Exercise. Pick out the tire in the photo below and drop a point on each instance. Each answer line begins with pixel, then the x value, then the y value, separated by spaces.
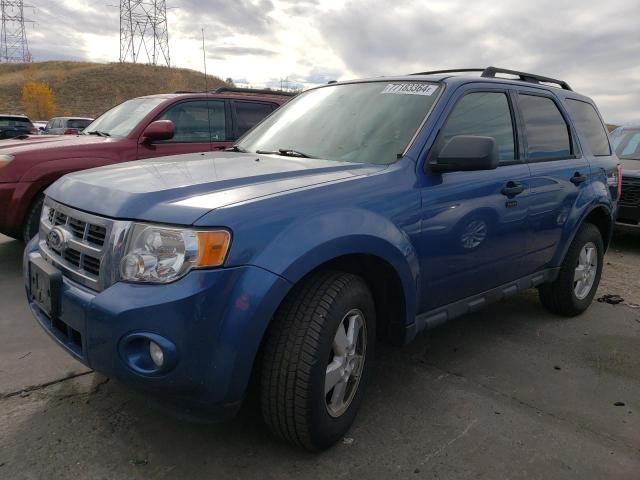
pixel 32 220
pixel 564 296
pixel 299 352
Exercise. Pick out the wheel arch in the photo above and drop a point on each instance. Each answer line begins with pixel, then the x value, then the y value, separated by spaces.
pixel 599 215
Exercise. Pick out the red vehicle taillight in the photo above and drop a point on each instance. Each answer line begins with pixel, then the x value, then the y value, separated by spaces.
pixel 70 131
pixel 619 194
pixel 34 131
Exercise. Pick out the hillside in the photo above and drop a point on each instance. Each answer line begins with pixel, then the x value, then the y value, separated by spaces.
pixel 88 89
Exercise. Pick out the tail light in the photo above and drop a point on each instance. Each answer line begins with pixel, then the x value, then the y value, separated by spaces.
pixel 619 170
pixel 34 131
pixel 70 131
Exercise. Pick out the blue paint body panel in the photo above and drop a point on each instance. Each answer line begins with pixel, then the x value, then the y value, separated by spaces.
pixel 288 216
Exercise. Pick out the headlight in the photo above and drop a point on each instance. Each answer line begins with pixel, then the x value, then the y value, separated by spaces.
pixel 5 158
pixel 162 254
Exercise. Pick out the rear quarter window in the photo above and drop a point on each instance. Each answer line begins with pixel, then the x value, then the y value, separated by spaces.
pixel 588 123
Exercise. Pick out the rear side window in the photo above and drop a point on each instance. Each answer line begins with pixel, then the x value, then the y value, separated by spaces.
pixel 248 114
pixel 485 114
pixel 547 132
pixel 588 123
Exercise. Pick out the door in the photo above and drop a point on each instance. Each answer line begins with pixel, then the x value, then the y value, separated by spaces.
pixel 248 114
pixel 559 175
pixel 474 223
pixel 197 123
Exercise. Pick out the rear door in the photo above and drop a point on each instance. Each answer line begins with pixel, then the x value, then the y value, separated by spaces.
pixel 247 114
pixel 474 223
pixel 560 174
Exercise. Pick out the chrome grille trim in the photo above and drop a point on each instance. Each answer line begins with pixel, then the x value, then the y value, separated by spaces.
pixel 93 248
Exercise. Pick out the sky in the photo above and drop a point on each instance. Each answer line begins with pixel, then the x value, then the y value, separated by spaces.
pixel 592 44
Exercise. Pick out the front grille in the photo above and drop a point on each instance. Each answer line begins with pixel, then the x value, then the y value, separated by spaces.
pixel 84 246
pixel 630 192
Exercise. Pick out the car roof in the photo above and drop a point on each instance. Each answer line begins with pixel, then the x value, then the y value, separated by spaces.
pixel 14 116
pixel 490 75
pixel 273 97
pixel 72 118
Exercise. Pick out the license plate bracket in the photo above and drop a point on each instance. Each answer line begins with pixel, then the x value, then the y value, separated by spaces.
pixel 45 282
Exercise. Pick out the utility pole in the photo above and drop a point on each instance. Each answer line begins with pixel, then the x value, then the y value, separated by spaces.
pixel 144 31
pixel 14 47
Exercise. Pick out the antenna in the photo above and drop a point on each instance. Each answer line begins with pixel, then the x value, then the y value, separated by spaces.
pixel 143 30
pixel 14 47
pixel 204 61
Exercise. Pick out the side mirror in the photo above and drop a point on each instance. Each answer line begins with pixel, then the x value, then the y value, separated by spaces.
pixel 465 153
pixel 158 130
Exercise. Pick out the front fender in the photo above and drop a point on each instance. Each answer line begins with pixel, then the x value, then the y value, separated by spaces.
pixel 312 241
pixel 49 171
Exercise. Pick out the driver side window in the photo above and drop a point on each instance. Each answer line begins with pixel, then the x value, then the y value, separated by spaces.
pixel 193 121
pixel 485 114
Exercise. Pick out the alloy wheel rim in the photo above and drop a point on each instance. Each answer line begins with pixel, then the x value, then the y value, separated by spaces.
pixel 474 234
pixel 346 363
pixel 584 275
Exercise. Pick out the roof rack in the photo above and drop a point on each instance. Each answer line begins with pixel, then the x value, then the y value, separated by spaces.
pixel 453 70
pixel 490 72
pixel 264 91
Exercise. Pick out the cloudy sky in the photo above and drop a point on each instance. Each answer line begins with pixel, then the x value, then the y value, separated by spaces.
pixel 594 45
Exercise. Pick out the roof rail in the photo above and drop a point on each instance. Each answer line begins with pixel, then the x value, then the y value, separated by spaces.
pixel 453 70
pixel 490 72
pixel 264 91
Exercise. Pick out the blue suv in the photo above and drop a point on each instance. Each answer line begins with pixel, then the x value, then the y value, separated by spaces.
pixel 360 211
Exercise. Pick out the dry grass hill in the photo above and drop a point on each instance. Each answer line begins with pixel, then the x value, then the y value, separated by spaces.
pixel 88 89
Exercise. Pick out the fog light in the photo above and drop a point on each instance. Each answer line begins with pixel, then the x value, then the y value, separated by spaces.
pixel 157 355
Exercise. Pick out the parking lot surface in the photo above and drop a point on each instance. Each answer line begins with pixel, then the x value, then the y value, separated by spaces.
pixel 510 392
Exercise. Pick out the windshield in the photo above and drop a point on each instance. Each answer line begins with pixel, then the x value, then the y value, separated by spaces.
pixel 121 119
pixel 78 123
pixel 627 143
pixel 361 122
pixel 19 122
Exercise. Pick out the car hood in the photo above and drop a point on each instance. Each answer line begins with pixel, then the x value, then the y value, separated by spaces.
pixel 180 189
pixel 630 168
pixel 36 149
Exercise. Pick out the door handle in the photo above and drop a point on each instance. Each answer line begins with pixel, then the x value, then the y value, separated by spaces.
pixel 512 188
pixel 578 178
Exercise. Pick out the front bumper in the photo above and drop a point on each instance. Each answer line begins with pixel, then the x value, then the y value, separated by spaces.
pixel 215 318
pixel 628 216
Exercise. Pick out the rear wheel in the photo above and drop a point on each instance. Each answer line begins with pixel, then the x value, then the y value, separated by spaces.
pixel 317 359
pixel 573 291
pixel 32 220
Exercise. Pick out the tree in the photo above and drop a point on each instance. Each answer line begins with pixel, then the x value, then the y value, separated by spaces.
pixel 229 81
pixel 38 100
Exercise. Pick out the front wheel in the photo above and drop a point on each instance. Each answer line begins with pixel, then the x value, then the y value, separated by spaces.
pixel 573 291
pixel 32 220
pixel 317 359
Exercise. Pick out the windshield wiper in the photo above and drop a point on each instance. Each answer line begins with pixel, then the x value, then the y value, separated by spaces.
pixel 235 148
pixel 98 133
pixel 286 152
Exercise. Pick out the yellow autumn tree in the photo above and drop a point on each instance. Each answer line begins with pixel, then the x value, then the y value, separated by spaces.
pixel 38 100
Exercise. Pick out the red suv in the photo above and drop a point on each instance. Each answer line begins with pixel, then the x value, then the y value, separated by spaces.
pixel 144 127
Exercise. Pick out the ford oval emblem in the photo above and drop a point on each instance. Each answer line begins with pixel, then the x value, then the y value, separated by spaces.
pixel 56 238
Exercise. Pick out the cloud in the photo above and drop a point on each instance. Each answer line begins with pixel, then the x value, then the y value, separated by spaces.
pixel 591 44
